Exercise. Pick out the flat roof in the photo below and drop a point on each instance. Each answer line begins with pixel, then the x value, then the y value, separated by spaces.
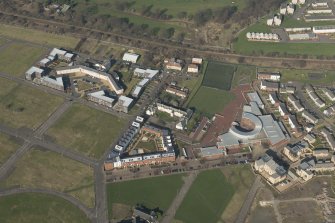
pixel 34 69
pixel 272 129
pixel 126 101
pixel 101 95
pixel 211 151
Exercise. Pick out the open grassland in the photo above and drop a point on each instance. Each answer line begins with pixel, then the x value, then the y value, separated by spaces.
pixel 218 75
pixel 243 46
pixel 2 41
pixel 210 101
pixel 33 208
pixel 22 106
pixel 244 74
pixel 156 192
pixel 17 58
pixel 207 198
pixel 241 178
pixel 7 147
pixel 38 37
pixel 86 130
pixel 45 169
pixel 304 76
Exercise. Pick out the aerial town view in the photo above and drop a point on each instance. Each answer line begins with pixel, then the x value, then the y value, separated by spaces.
pixel 167 111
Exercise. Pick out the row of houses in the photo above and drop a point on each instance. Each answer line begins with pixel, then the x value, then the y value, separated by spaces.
pixel 315 98
pixel 147 75
pixel 177 65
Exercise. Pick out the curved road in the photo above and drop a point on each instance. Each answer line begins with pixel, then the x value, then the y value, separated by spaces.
pixel 89 212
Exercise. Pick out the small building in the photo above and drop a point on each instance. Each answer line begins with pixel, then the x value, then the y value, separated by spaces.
pixel 330 95
pixel 305 168
pixel 130 57
pixel 292 121
pixel 44 62
pixel 329 137
pixel 330 111
pixel 145 73
pixel 310 138
pixel 197 61
pixel 270 170
pixel 55 83
pixel 283 9
pixel 176 91
pixel 295 103
pixel 284 89
pixel 321 153
pixel 269 22
pixel 192 68
pixel 101 98
pixel 254 96
pixel 270 76
pixel 290 9
pixel 274 99
pixel 123 104
pixel 277 20
pixel 212 152
pixel 309 117
pixel 137 91
pixel 294 152
pixel 269 86
pixel 283 111
pixel 174 66
pixel 34 72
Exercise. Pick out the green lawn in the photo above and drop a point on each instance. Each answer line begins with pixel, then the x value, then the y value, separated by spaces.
pixel 207 198
pixel 2 41
pixel 210 101
pixel 219 75
pixel 156 192
pixel 8 146
pixel 148 146
pixel 243 46
pixel 38 37
pixel 34 207
pixel 46 169
pixel 241 178
pixel 17 58
pixel 86 130
pixel 22 106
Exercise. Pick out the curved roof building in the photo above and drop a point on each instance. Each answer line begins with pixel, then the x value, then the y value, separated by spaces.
pixel 242 133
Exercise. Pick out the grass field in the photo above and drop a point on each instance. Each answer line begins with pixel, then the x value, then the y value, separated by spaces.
pixel 45 169
pixel 304 76
pixel 243 46
pixel 17 58
pixel 8 146
pixel 210 101
pixel 244 75
pixel 22 106
pixel 38 37
pixel 86 130
pixel 219 75
pixel 33 208
pixel 207 198
pixel 242 178
pixel 156 192
pixel 2 41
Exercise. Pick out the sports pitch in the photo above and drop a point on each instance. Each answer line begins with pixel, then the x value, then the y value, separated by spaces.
pixel 156 192
pixel 219 75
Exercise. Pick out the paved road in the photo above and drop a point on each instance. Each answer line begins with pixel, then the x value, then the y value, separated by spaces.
pixel 89 212
pixel 52 118
pixel 171 212
pixel 8 166
pixel 248 201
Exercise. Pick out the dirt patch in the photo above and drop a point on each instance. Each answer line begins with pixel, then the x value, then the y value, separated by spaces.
pixel 302 211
